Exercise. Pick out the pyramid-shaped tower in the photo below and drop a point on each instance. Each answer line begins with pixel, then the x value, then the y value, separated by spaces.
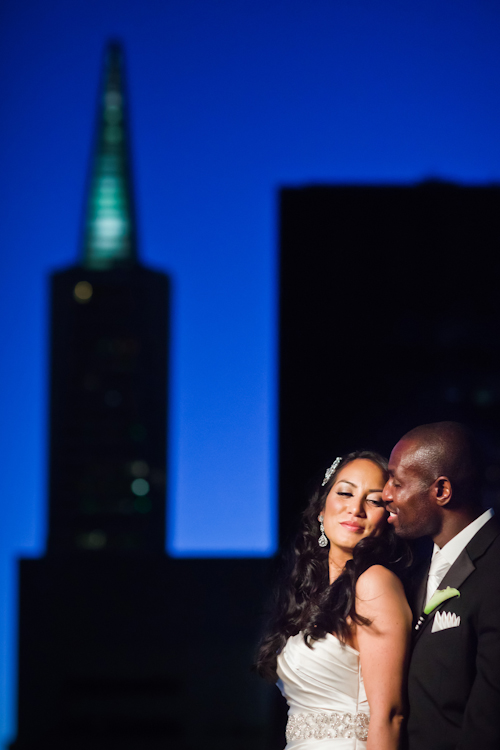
pixel 109 234
pixel 108 364
pixel 120 646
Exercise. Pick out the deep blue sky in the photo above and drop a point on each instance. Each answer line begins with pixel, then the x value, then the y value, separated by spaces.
pixel 229 100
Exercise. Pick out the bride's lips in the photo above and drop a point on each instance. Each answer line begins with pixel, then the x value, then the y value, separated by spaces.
pixel 352 526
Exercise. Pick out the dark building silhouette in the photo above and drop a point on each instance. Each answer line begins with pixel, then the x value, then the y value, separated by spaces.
pixel 109 321
pixel 120 647
pixel 389 318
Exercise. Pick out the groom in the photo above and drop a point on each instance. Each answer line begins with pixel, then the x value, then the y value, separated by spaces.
pixel 454 672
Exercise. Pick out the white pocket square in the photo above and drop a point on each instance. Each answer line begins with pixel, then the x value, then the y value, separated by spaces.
pixel 445 620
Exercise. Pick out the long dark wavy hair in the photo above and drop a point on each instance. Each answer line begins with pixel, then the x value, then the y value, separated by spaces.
pixel 306 601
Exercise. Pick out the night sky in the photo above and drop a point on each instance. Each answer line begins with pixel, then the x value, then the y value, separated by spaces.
pixel 228 100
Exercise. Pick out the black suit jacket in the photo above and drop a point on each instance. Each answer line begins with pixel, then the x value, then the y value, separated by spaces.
pixel 454 674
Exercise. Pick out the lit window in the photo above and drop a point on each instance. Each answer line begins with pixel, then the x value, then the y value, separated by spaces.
pixel 95 539
pixel 140 487
pixel 83 292
pixel 139 469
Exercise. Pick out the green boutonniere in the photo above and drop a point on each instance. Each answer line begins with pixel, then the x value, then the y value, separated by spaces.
pixel 440 596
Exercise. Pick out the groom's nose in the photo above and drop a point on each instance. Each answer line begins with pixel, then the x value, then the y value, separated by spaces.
pixel 386 492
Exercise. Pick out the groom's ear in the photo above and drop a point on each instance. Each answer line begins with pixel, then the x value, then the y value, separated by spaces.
pixel 441 490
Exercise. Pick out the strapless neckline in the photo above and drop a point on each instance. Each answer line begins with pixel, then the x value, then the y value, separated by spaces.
pixel 321 684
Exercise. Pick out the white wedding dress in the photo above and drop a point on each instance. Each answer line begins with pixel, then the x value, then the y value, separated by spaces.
pixel 324 689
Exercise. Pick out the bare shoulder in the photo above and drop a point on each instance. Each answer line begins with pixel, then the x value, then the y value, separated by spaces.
pixel 376 581
pixel 380 596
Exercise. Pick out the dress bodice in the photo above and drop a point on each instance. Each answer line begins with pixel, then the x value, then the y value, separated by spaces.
pixel 323 686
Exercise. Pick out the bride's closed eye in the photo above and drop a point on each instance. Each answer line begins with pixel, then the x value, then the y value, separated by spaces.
pixel 378 503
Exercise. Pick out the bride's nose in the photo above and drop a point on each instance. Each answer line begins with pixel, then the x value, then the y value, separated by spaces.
pixel 356 506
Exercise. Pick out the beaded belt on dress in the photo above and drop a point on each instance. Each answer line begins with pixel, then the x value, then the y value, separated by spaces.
pixel 326 725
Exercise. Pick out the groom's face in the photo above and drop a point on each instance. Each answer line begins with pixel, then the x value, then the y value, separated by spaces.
pixel 407 494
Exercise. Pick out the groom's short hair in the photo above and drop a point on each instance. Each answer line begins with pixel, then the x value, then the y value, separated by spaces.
pixel 449 449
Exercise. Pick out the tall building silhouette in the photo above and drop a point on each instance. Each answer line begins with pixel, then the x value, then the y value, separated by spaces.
pixel 108 364
pixel 121 647
pixel 389 318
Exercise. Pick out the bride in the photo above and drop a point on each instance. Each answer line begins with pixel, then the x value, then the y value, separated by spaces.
pixel 338 640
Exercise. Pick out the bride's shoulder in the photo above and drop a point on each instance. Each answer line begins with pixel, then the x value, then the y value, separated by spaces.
pixel 377 580
pixel 380 598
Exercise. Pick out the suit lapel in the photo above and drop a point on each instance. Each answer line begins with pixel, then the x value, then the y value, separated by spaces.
pixel 422 591
pixel 461 568
pixel 459 571
pixel 484 537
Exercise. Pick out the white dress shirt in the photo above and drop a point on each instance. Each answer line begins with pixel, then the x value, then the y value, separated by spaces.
pixel 443 559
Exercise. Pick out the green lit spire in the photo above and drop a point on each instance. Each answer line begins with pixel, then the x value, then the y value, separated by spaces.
pixel 109 235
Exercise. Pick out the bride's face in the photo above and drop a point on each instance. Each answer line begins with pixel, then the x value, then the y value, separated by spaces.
pixel 354 507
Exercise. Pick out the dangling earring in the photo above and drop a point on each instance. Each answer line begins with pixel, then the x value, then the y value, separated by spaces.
pixel 322 541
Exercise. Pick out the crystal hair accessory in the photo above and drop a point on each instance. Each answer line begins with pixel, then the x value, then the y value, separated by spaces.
pixel 330 470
